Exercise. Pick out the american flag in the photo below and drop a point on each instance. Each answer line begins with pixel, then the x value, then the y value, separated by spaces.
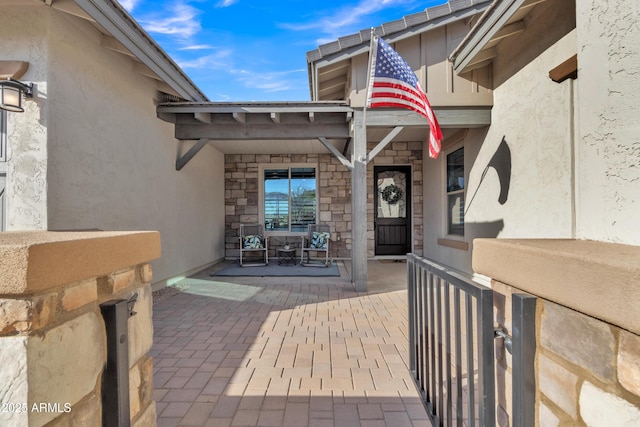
pixel 394 84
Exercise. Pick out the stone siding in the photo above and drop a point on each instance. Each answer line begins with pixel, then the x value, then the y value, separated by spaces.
pixel 52 336
pixel 587 370
pixel 242 183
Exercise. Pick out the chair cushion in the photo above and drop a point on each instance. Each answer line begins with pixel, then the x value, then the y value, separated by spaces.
pixel 252 242
pixel 319 240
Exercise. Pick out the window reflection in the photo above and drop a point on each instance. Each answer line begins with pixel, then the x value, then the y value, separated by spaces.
pixel 289 198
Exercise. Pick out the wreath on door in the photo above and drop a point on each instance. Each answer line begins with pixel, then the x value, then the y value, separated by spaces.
pixel 391 194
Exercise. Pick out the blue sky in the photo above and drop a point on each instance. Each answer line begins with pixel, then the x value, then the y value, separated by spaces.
pixel 255 50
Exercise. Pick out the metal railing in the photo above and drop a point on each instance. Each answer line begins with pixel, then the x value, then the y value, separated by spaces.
pixel 451 347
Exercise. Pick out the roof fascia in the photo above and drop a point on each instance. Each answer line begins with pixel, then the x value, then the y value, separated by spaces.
pixel 492 21
pixel 254 108
pixel 352 51
pixel 125 29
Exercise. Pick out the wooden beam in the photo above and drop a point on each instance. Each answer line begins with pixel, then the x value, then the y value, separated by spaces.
pixel 202 117
pixel 336 82
pixel 240 117
pixel 182 161
pixel 70 7
pixel 261 131
pixel 345 149
pixel 447 117
pixel 567 70
pixel 167 117
pixel 140 68
pixel 113 44
pixel 387 139
pixel 331 95
pixel 509 30
pixel 531 3
pixel 481 59
pixel 335 152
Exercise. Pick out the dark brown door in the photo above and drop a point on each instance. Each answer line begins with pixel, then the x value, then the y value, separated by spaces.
pixel 392 209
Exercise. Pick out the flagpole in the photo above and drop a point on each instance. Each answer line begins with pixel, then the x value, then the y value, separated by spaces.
pixel 370 71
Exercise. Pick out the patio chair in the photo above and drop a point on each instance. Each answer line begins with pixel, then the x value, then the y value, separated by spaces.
pixel 253 242
pixel 317 240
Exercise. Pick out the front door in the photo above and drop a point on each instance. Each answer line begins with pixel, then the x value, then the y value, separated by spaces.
pixel 392 209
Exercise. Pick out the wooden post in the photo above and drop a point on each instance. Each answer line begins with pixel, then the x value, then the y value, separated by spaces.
pixel 359 204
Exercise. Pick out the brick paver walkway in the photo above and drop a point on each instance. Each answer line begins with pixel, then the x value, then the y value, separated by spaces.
pixel 276 353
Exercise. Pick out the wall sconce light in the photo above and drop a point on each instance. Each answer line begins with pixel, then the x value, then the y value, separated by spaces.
pixel 11 92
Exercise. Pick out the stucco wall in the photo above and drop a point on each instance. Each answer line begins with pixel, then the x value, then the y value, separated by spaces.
pixel 608 123
pixel 533 117
pixel 23 38
pixel 435 214
pixel 111 161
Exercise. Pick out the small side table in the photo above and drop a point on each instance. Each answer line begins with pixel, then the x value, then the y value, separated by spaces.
pixel 286 256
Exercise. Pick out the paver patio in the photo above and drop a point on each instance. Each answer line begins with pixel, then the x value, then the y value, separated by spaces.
pixel 285 352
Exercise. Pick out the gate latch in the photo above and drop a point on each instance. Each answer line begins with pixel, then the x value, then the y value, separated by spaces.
pixel 508 343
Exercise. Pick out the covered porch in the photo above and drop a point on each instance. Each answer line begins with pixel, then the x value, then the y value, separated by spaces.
pixel 344 146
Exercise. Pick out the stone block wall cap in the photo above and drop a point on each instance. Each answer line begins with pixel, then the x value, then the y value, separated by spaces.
pixel 600 279
pixel 34 261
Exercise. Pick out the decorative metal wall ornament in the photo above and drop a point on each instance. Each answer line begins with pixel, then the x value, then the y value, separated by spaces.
pixel 391 194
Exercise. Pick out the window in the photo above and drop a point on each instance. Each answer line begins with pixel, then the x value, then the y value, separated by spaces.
pixel 455 192
pixel 289 198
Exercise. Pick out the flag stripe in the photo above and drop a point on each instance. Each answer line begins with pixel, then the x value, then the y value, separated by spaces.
pixel 392 83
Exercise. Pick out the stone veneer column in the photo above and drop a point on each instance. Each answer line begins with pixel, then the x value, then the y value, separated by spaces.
pixel 52 335
pixel 587 369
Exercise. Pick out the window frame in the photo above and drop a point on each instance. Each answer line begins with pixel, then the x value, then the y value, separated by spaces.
pixel 446 220
pixel 261 196
pixel 3 137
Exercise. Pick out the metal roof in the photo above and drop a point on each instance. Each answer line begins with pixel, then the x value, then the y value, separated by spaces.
pixel 334 58
pixel 407 25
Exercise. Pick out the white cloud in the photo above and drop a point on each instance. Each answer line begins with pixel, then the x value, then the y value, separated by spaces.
pixel 197 47
pixel 269 81
pixel 129 5
pixel 227 3
pixel 218 60
pixel 182 22
pixel 345 20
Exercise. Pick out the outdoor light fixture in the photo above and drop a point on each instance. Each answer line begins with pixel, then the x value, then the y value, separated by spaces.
pixel 11 92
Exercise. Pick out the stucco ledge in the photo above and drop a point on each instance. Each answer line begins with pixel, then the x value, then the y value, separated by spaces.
pixel 598 279
pixel 34 261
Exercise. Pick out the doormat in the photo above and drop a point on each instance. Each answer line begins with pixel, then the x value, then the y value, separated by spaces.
pixel 275 270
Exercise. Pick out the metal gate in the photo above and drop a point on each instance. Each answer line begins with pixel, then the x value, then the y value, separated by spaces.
pixel 451 345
